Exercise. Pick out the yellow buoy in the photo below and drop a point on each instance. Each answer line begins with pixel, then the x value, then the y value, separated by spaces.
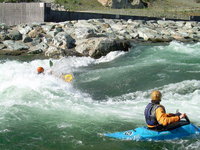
pixel 68 77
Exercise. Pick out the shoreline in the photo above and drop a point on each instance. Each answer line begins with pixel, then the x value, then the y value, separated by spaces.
pixel 93 38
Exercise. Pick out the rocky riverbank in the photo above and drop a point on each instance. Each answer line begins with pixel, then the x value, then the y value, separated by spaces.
pixel 94 38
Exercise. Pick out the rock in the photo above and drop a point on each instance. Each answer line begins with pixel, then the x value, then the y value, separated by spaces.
pixel 97 47
pixel 15 45
pixel 63 40
pixel 55 52
pixel 59 29
pixel 26 39
pixel 4 36
pixel 24 30
pixel 47 40
pixel 36 41
pixel 82 33
pixel 2 46
pixel 36 32
pixel 52 33
pixel 43 46
pixel 146 33
pixel 138 4
pixel 180 23
pixel 106 3
pixel 15 35
pixel 189 25
pixel 85 24
pixel 12 53
pixel 36 51
pixel 128 4
pixel 47 28
pixel 166 23
pixel 3 27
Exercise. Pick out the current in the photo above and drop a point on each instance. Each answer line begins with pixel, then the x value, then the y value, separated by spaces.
pixel 42 112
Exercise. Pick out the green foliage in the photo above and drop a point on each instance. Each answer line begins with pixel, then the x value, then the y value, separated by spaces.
pixel 149 1
pixel 198 1
pixel 16 1
pixel 80 4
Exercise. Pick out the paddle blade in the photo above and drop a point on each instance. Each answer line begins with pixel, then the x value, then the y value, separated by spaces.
pixel 50 63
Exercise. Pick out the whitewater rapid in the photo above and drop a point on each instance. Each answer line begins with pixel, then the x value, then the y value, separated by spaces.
pixel 121 80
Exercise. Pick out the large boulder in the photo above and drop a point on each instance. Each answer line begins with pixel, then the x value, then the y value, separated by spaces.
pixel 63 40
pixel 105 3
pixel 15 45
pixel 37 32
pixel 123 3
pixel 97 47
pixel 55 52
pixel 15 35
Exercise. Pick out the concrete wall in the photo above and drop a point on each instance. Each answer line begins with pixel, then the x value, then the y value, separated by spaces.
pixel 17 13
pixel 195 18
pixel 59 16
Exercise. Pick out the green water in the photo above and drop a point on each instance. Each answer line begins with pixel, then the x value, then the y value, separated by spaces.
pixel 42 112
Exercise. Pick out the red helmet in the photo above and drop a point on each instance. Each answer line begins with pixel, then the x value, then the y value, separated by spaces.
pixel 40 70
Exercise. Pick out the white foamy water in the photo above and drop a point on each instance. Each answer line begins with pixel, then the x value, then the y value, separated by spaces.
pixel 47 104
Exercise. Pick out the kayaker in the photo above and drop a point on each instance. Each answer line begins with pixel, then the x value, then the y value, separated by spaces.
pixel 157 118
pixel 65 77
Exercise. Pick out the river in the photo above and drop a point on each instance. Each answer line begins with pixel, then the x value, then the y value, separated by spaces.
pixel 42 112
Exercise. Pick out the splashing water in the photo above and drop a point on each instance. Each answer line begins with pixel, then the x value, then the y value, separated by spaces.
pixel 107 95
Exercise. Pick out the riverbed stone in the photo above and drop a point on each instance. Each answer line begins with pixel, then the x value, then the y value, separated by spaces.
pixel 43 46
pixel 4 36
pixel 97 47
pixel 63 40
pixel 24 30
pixel 26 39
pixel 15 35
pixel 3 27
pixel 15 45
pixel 55 52
pixel 2 46
pixel 36 32
pixel 36 51
pixel 36 41
pixel 82 33
pixel 93 37
pixel 47 27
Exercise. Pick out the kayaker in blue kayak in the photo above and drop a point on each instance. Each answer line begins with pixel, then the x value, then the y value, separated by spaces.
pixel 157 118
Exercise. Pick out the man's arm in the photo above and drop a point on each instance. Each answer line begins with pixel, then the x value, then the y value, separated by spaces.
pixel 164 118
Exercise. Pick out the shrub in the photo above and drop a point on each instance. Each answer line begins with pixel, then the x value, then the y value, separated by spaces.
pixel 198 1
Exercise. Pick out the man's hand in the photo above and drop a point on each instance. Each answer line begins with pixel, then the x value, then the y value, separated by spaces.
pixel 182 116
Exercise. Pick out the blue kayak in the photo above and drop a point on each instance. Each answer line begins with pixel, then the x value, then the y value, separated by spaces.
pixel 143 133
